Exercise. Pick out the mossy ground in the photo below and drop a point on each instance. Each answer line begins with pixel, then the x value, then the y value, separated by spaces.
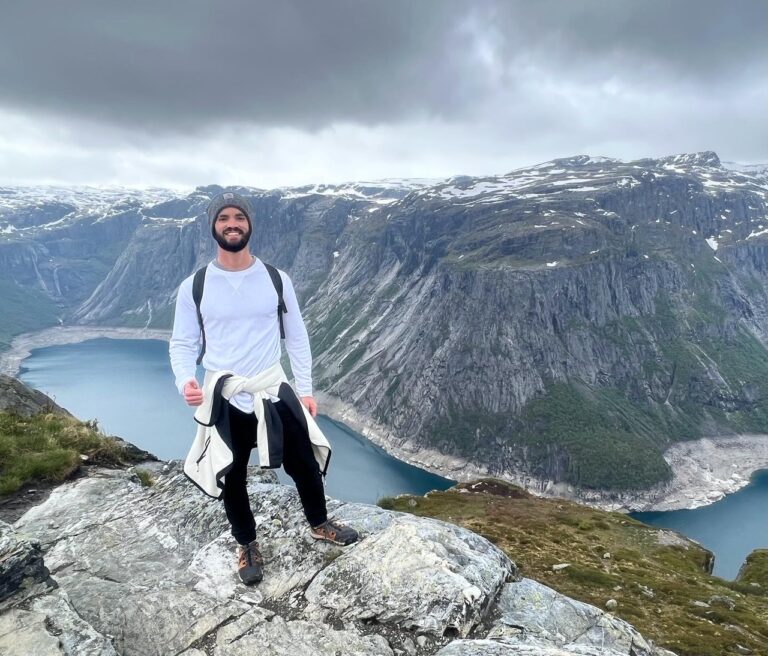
pixel 654 575
pixel 755 569
pixel 48 448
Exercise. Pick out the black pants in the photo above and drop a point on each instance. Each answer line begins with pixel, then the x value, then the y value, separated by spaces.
pixel 298 461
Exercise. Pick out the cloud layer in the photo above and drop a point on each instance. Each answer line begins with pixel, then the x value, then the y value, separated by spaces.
pixel 185 91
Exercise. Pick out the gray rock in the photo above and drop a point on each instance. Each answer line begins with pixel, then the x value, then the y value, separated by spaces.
pixel 21 565
pixel 143 620
pixel 722 601
pixel 50 627
pixel 277 637
pixel 74 634
pixel 502 648
pixel 421 574
pixel 23 633
pixel 553 618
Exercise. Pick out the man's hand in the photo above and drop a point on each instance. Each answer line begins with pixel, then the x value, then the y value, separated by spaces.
pixel 193 395
pixel 310 404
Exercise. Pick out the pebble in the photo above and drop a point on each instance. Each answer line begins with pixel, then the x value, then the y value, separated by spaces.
pixel 722 600
pixel 646 591
pixel 560 566
pixel 611 604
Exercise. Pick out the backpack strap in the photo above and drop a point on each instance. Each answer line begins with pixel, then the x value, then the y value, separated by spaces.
pixel 197 296
pixel 277 282
pixel 198 283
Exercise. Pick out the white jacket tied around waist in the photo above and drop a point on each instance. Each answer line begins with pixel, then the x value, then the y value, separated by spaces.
pixel 210 457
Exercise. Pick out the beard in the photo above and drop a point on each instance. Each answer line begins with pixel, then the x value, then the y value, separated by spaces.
pixel 233 246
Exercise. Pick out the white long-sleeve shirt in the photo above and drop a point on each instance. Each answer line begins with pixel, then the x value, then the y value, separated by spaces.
pixel 242 332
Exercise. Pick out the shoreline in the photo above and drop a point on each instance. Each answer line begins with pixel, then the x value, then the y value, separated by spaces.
pixel 704 470
pixel 23 345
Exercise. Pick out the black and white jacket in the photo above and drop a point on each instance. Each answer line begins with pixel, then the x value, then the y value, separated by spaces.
pixel 210 457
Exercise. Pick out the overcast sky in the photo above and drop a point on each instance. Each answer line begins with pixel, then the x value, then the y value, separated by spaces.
pixel 264 94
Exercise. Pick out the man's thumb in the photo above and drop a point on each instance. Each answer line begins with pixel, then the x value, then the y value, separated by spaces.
pixel 193 384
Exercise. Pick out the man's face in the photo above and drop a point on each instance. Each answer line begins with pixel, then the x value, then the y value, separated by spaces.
pixel 231 229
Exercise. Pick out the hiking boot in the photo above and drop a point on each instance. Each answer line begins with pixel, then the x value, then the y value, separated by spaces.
pixel 249 563
pixel 335 532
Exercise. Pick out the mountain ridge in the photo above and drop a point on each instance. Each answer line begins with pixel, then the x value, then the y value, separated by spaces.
pixel 477 316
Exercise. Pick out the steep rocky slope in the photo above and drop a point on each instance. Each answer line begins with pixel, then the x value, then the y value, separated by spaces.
pixel 563 323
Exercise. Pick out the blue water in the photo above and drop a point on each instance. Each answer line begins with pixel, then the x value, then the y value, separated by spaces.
pixel 127 385
pixel 731 528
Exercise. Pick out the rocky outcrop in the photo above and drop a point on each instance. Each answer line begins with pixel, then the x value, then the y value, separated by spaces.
pixel 21 564
pixel 150 570
pixel 16 397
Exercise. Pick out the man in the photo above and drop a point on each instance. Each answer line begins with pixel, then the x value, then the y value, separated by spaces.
pixel 245 400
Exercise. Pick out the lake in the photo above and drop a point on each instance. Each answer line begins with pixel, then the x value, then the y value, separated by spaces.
pixel 127 385
pixel 731 528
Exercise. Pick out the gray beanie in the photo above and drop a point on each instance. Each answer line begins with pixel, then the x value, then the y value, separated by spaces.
pixel 228 199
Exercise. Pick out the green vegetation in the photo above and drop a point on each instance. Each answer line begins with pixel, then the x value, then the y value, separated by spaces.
pixel 591 438
pixel 654 575
pixel 606 438
pixel 48 447
pixel 24 310
pixel 754 572
pixel 146 478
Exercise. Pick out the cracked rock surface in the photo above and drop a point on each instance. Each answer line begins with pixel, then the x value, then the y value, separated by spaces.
pixel 150 571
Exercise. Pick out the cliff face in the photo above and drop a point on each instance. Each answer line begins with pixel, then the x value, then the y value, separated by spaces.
pixel 106 566
pixel 564 322
pixel 567 321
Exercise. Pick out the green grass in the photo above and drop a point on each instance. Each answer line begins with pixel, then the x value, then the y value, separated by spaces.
pixel 755 569
pixel 146 478
pixel 47 447
pixel 538 533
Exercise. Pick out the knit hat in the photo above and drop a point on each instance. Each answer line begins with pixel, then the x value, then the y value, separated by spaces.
pixel 228 199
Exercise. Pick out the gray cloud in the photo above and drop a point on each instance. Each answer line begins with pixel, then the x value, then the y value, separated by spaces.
pixel 187 65
pixel 694 41
pixel 183 63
